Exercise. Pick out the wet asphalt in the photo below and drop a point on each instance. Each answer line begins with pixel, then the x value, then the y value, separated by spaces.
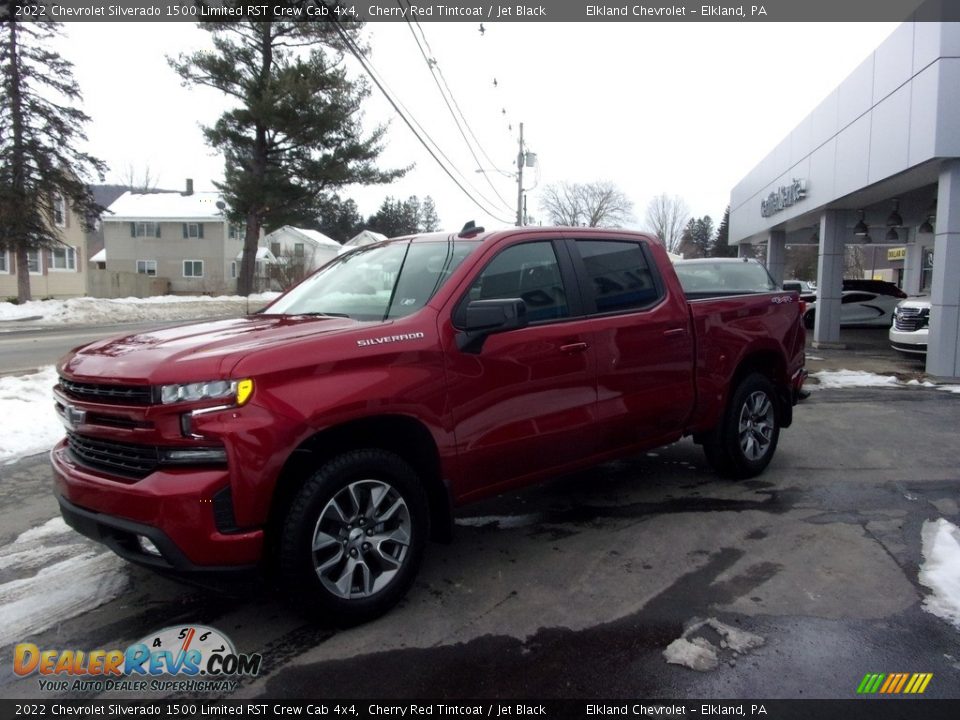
pixel 573 589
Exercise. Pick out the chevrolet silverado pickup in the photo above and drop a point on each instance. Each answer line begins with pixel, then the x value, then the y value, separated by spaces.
pixel 330 435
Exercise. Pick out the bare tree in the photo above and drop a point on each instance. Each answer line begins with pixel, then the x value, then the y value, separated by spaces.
pixel 139 182
pixel 853 263
pixel 594 204
pixel 666 218
pixel 291 267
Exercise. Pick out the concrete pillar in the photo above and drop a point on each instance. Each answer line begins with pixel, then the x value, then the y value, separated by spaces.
pixel 777 255
pixel 744 250
pixel 826 329
pixel 943 350
pixel 912 265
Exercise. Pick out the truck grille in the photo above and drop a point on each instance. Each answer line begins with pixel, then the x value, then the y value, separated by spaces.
pixel 910 319
pixel 116 394
pixel 132 461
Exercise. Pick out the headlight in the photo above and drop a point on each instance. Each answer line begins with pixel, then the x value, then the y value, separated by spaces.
pixel 238 390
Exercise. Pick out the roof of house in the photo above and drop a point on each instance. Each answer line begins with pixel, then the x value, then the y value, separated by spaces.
pixel 100 256
pixel 364 237
pixel 165 207
pixel 262 254
pixel 314 236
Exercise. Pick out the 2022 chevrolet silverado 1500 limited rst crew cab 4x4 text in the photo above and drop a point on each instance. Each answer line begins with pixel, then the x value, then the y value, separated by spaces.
pixel 331 434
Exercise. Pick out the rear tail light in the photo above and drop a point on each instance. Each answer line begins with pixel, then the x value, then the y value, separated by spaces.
pixel 803 308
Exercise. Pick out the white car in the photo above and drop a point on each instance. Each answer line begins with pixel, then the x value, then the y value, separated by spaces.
pixel 859 307
pixel 911 321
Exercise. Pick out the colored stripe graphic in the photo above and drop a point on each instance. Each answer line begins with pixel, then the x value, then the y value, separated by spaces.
pixel 894 683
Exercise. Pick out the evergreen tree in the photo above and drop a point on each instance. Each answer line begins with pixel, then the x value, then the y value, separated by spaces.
pixel 40 165
pixel 721 244
pixel 697 237
pixel 429 220
pixel 408 217
pixel 295 132
pixel 339 219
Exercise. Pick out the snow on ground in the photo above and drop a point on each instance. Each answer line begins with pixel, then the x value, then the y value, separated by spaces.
pixel 940 569
pixel 34 598
pixel 695 650
pixel 853 378
pixel 88 310
pixel 28 422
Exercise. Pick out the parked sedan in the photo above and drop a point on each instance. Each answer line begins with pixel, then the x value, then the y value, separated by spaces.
pixel 911 325
pixel 859 308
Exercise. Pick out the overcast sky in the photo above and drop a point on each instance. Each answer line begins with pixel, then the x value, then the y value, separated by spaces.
pixel 684 108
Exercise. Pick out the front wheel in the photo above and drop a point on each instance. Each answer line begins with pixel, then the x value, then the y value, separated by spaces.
pixel 742 445
pixel 354 536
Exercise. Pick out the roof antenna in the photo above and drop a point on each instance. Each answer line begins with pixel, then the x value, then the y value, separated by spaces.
pixel 470 229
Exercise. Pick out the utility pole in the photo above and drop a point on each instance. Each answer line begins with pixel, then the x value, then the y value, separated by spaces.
pixel 520 160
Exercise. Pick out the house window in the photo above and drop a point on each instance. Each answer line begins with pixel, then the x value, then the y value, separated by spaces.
pixel 4 262
pixel 33 261
pixel 193 268
pixel 192 230
pixel 298 250
pixel 233 270
pixel 237 231
pixel 147 267
pixel 59 211
pixel 63 258
pixel 275 249
pixel 144 229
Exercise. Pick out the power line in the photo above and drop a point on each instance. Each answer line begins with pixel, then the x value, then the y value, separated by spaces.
pixel 439 70
pixel 432 66
pixel 364 62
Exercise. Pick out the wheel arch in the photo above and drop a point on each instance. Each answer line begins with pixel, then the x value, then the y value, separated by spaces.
pixel 772 365
pixel 402 435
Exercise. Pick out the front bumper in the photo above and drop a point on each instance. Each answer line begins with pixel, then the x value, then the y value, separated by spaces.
pixel 914 342
pixel 173 508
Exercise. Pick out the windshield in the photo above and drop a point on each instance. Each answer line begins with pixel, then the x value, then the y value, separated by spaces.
pixel 724 278
pixel 377 282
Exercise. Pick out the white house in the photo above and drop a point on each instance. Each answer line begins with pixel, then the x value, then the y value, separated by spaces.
pixel 313 246
pixel 184 237
pixel 364 237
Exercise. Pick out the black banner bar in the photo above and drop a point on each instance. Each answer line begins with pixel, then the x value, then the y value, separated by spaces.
pixel 485 11
pixel 893 708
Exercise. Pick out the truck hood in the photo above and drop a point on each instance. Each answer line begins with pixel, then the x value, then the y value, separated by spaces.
pixel 194 352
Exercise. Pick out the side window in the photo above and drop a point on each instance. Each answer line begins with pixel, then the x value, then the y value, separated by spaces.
pixel 530 272
pixel 618 274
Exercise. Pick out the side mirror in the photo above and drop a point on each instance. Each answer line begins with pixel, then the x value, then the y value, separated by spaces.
pixel 486 317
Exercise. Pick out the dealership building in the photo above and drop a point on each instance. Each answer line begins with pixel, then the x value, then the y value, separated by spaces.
pixel 877 163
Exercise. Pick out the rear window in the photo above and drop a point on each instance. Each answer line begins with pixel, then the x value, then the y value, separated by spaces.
pixel 710 279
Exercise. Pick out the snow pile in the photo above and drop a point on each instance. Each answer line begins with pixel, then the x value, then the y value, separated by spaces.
pixel 832 379
pixel 88 310
pixel 853 378
pixel 940 570
pixel 28 422
pixel 694 650
pixel 40 597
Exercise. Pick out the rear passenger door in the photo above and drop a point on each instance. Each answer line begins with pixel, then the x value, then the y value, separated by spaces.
pixel 643 340
pixel 526 402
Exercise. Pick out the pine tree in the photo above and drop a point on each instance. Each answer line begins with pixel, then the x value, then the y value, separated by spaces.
pixel 295 132
pixel 429 220
pixel 39 133
pixel 721 244
pixel 339 219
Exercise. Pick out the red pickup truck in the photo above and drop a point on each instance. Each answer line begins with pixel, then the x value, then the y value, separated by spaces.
pixel 330 435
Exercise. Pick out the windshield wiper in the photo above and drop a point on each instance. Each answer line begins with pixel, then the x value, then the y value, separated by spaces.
pixel 321 314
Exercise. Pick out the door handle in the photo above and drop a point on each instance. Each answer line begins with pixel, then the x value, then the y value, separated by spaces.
pixel 574 347
pixel 674 332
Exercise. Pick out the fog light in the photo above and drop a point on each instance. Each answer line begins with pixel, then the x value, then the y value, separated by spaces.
pixel 186 456
pixel 146 544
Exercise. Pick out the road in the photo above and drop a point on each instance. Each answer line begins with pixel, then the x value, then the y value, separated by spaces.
pixel 26 350
pixel 575 588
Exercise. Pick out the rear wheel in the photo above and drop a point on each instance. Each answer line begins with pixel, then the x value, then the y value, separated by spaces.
pixel 744 442
pixel 354 536
pixel 809 319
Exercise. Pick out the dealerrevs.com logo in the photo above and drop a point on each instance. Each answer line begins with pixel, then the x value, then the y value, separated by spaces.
pixel 192 658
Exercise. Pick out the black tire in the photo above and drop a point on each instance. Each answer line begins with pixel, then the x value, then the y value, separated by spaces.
pixel 353 538
pixel 809 319
pixel 742 454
